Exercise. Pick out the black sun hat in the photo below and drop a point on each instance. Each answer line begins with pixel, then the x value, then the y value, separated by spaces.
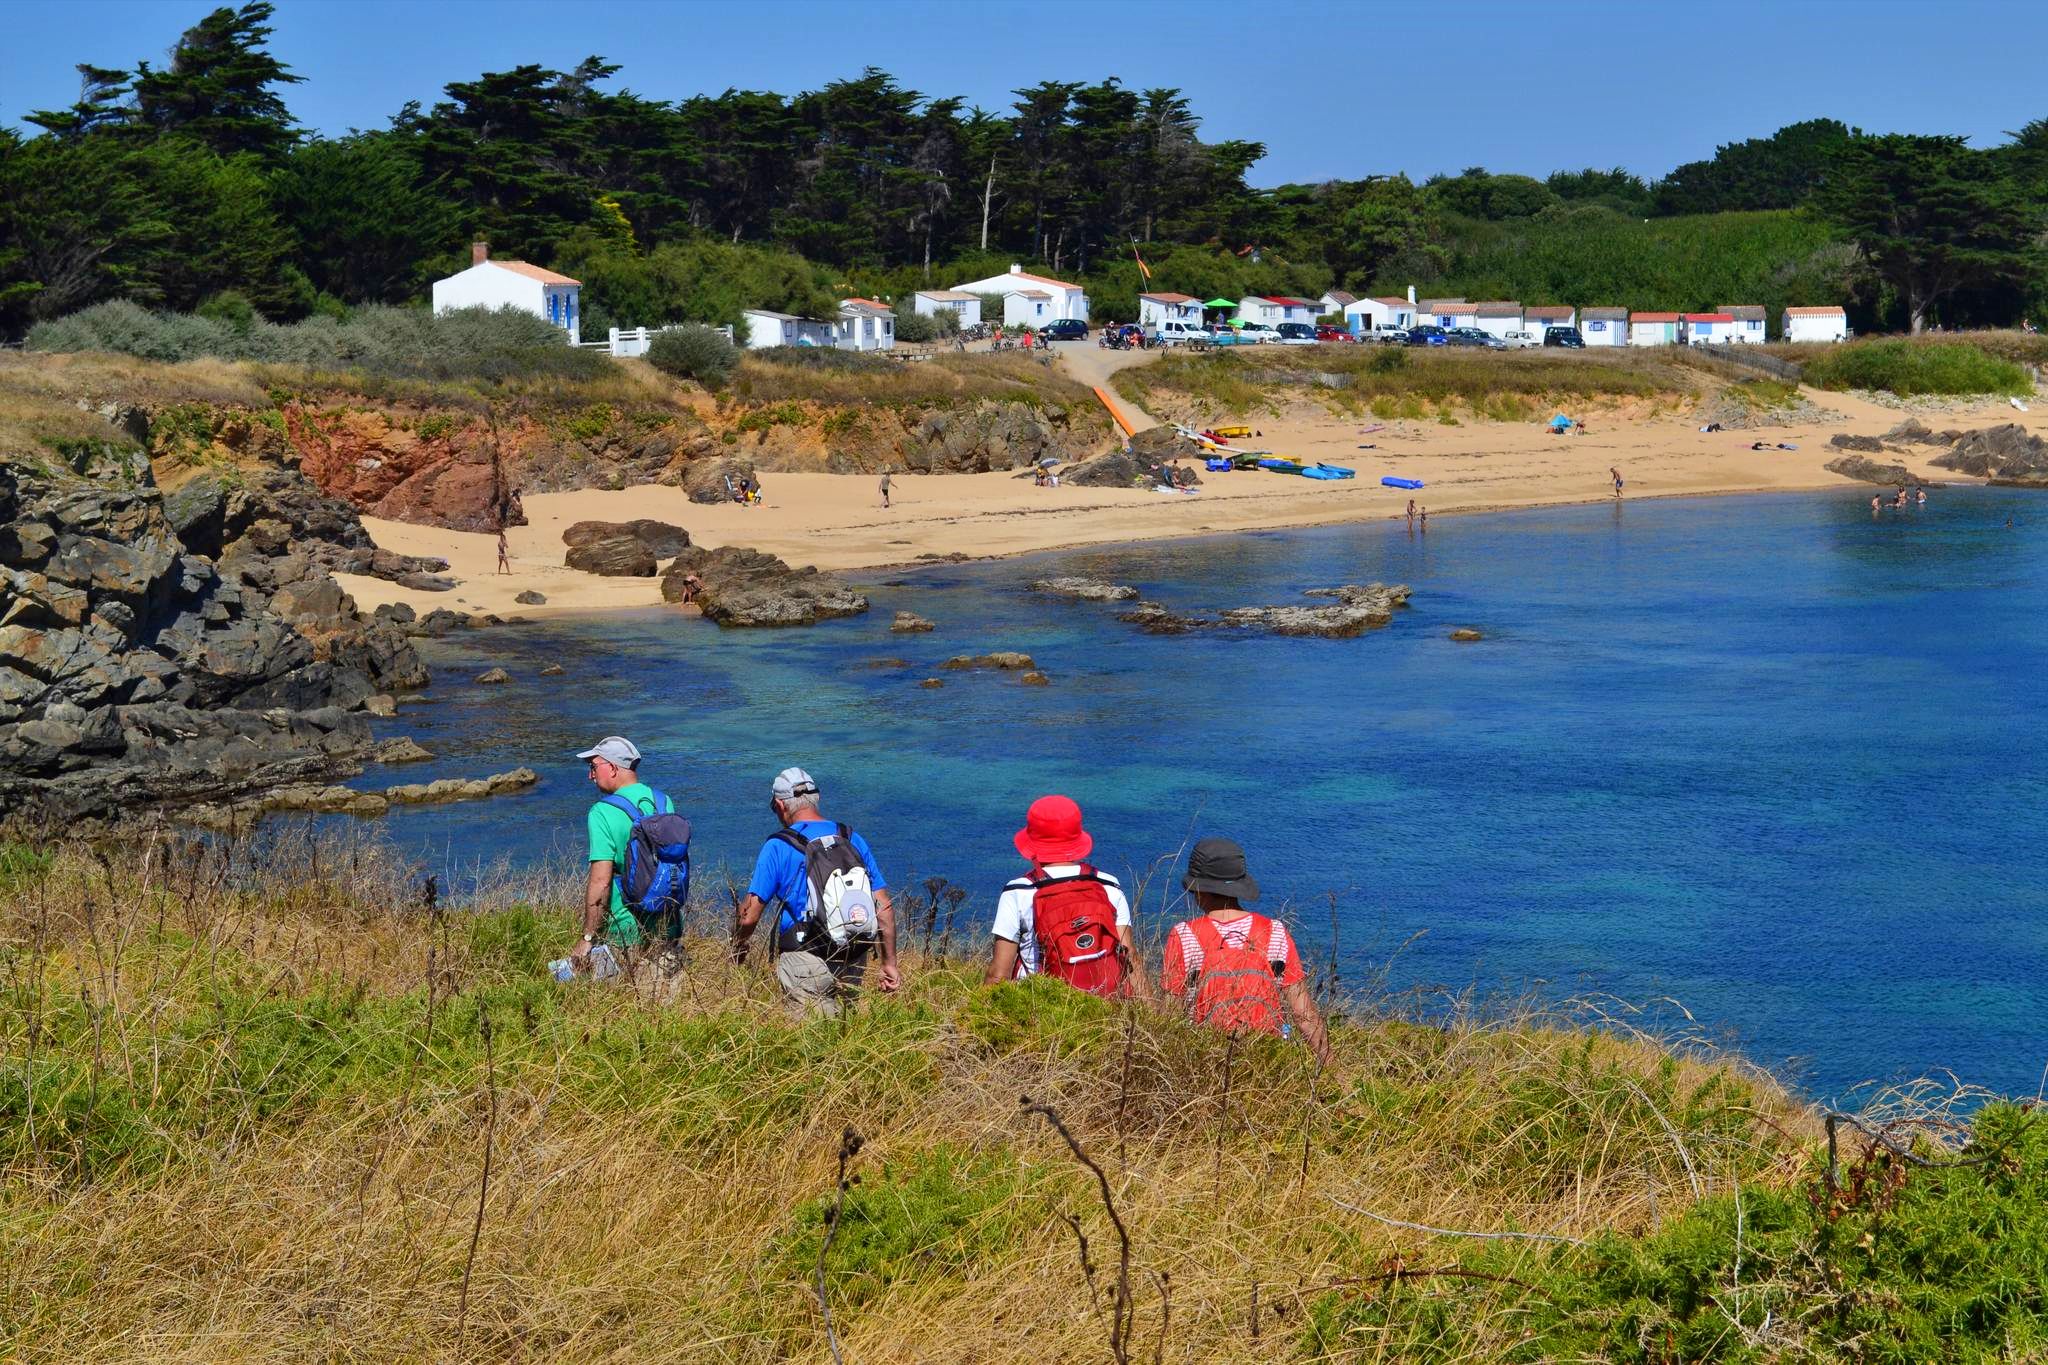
pixel 1217 866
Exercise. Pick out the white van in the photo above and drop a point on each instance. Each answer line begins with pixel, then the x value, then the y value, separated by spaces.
pixel 1174 333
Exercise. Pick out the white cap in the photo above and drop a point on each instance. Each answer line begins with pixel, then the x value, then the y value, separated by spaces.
pixel 791 783
pixel 616 750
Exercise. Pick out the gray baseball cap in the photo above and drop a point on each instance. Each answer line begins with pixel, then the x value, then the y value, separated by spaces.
pixel 791 783
pixel 616 750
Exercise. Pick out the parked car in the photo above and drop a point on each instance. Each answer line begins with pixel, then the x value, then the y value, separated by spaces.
pixel 1427 334
pixel 1065 329
pixel 1325 332
pixel 1258 331
pixel 1389 336
pixel 1564 336
pixel 1521 341
pixel 1226 335
pixel 1173 333
pixel 1296 334
pixel 1473 336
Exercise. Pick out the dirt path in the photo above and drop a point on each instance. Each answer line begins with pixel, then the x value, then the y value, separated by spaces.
pixel 1090 364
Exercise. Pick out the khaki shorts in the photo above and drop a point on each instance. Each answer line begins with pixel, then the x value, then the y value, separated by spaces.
pixel 814 983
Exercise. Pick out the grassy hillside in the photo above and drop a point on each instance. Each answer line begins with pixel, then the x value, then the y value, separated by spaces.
pixel 262 1102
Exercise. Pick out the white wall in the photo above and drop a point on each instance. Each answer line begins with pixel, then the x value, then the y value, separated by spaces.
pixel 1273 314
pixel 969 310
pixel 1604 332
pixel 1068 301
pixel 1833 328
pixel 1538 325
pixel 1370 314
pixel 1652 333
pixel 763 331
pixel 1747 331
pixel 1499 327
pixel 863 332
pixel 487 286
pixel 1151 312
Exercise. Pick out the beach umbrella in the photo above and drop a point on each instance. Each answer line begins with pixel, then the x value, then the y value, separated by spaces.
pixel 1220 303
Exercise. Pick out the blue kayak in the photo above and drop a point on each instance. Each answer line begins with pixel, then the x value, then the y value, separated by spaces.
pixel 1328 471
pixel 1392 482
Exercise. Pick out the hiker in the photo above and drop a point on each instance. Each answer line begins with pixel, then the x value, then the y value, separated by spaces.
pixel 835 905
pixel 885 490
pixel 504 561
pixel 639 860
pixel 1063 917
pixel 1615 474
pixel 1234 969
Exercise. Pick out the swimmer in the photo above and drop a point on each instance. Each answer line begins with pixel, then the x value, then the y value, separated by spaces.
pixel 1921 497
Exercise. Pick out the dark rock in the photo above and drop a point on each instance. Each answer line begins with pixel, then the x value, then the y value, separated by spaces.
pixel 1359 608
pixel 714 480
pixel 619 554
pixel 662 540
pixel 2003 454
pixel 908 622
pixel 1006 660
pixel 1465 634
pixel 553 671
pixel 1131 469
pixel 425 582
pixel 1866 470
pixel 400 750
pixel 742 587
pixel 885 663
pixel 1914 432
pixel 494 677
pixel 439 622
pixel 1869 445
pixel 399 613
pixel 530 598
pixel 1085 589
pixel 932 682
pixel 1035 679
pixel 954 558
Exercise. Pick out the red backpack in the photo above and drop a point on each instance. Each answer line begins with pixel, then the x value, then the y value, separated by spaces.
pixel 1236 988
pixel 1075 926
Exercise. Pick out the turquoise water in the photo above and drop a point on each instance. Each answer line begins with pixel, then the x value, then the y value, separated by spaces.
pixel 1763 757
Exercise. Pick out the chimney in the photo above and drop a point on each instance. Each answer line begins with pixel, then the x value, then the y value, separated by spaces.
pixel 480 251
pixel 1016 269
pixel 1411 296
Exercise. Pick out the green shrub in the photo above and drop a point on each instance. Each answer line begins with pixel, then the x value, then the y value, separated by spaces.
pixel 233 308
pixel 916 327
pixel 1907 368
pixel 694 352
pixel 823 358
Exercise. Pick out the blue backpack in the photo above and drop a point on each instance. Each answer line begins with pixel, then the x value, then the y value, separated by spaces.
pixel 655 880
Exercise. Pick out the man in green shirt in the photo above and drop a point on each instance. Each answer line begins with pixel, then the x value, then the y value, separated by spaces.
pixel 614 771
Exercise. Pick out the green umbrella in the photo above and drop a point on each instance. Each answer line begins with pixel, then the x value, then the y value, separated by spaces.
pixel 1220 303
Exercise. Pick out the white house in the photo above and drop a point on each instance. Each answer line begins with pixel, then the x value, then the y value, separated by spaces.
pixel 1816 324
pixel 1336 301
pixel 512 284
pixel 763 327
pixel 1544 316
pixel 865 325
pixel 1154 309
pixel 1377 315
pixel 1029 299
pixel 1497 319
pixel 1706 329
pixel 961 304
pixel 1446 313
pixel 1749 323
pixel 1604 326
pixel 1274 309
pixel 1652 329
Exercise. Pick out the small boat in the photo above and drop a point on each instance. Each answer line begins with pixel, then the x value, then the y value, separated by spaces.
pixel 1231 433
pixel 1281 466
pixel 1328 471
pixel 1392 482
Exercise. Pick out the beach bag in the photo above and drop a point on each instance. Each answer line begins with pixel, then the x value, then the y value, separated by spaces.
pixel 841 916
pixel 1075 926
pixel 1236 988
pixel 655 880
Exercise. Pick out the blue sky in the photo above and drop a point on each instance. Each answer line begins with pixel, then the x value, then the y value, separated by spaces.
pixel 1332 89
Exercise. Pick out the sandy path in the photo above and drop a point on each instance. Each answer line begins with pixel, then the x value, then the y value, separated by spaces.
pixel 837 521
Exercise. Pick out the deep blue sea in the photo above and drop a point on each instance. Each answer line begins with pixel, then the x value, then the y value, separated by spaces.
pixel 1766 757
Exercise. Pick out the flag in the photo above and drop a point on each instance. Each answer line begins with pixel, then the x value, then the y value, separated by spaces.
pixel 1143 269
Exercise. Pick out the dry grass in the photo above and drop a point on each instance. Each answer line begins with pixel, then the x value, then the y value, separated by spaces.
pixel 839 378
pixel 246 1098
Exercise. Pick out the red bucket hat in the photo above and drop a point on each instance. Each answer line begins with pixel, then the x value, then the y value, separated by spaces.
pixel 1052 832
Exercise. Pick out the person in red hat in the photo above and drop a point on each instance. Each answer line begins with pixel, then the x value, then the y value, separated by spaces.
pixel 1063 917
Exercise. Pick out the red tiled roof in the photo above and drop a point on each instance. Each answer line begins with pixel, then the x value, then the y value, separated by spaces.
pixel 1043 279
pixel 1392 302
pixel 1710 317
pixel 1814 313
pixel 1285 302
pixel 1549 310
pixel 1653 317
pixel 533 272
pixel 865 305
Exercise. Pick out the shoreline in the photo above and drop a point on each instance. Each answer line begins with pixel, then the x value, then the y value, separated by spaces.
pixel 835 521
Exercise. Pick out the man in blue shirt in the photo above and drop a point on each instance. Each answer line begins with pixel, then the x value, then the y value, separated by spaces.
pixel 812 974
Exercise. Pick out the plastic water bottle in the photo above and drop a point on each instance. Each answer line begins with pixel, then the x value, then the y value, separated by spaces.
pixel 562 970
pixel 603 966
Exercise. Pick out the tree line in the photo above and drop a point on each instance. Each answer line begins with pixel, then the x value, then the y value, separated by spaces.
pixel 176 184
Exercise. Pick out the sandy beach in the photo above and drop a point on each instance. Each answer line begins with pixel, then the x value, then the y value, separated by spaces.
pixel 837 521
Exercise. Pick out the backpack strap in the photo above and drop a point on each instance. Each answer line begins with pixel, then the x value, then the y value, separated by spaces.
pixel 792 838
pixel 1039 877
pixel 1205 932
pixel 618 802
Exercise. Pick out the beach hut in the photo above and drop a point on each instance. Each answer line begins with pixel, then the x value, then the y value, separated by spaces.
pixel 512 284
pixel 1705 329
pixel 961 304
pixel 1274 309
pixel 1032 300
pixel 1379 314
pixel 1446 313
pixel 1652 329
pixel 1816 324
pixel 1335 301
pixel 865 325
pixel 764 327
pixel 1497 319
pixel 1153 309
pixel 1604 326
pixel 1543 316
pixel 1749 323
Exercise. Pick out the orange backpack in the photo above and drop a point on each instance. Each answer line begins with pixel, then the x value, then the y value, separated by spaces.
pixel 1236 988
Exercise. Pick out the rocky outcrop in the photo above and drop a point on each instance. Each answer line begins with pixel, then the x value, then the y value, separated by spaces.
pixel 1915 432
pixel 623 549
pixel 443 469
pixel 1869 445
pixel 1866 470
pixel 714 480
pixel 1466 635
pixel 461 788
pixel 1358 608
pixel 1142 466
pixel 1005 660
pixel 494 677
pixel 266 512
pixel 2003 454
pixel 1085 589
pixel 908 623
pixel 136 672
pixel 662 540
pixel 530 598
pixel 744 587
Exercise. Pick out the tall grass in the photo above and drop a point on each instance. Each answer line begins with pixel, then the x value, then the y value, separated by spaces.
pixel 820 375
pixel 1908 368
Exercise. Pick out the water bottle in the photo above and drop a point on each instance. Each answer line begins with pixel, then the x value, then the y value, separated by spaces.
pixel 562 970
pixel 603 966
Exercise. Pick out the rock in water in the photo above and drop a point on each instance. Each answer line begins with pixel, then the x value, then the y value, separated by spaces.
pixel 1006 660
pixel 494 677
pixel 908 622
pixel 1035 679
pixel 1359 608
pixel 553 671
pixel 1465 634
pixel 400 750
pixel 744 587
pixel 461 788
pixel 1085 589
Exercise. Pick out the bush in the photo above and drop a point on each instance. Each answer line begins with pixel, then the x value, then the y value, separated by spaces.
pixel 694 352
pixel 916 327
pixel 1907 368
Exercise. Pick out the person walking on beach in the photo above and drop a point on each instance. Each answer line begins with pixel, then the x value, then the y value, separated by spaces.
pixel 836 911
pixel 885 490
pixel 1233 969
pixel 504 559
pixel 628 901
pixel 1615 474
pixel 1411 509
pixel 1063 917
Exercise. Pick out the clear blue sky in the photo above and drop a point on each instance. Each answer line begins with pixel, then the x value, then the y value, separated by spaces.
pixel 1332 89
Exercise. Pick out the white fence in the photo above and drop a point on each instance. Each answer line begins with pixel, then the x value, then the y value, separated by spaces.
pixel 626 342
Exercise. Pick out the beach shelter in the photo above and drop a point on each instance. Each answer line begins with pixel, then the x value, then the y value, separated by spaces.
pixel 1219 310
pixel 1560 423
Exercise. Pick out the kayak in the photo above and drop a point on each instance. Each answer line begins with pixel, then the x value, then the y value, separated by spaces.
pixel 1336 471
pixel 1392 482
pixel 1325 472
pixel 1280 466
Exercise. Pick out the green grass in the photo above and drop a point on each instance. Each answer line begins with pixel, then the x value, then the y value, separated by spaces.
pixel 1909 368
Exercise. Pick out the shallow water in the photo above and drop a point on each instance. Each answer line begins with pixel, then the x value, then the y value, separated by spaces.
pixel 1764 756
